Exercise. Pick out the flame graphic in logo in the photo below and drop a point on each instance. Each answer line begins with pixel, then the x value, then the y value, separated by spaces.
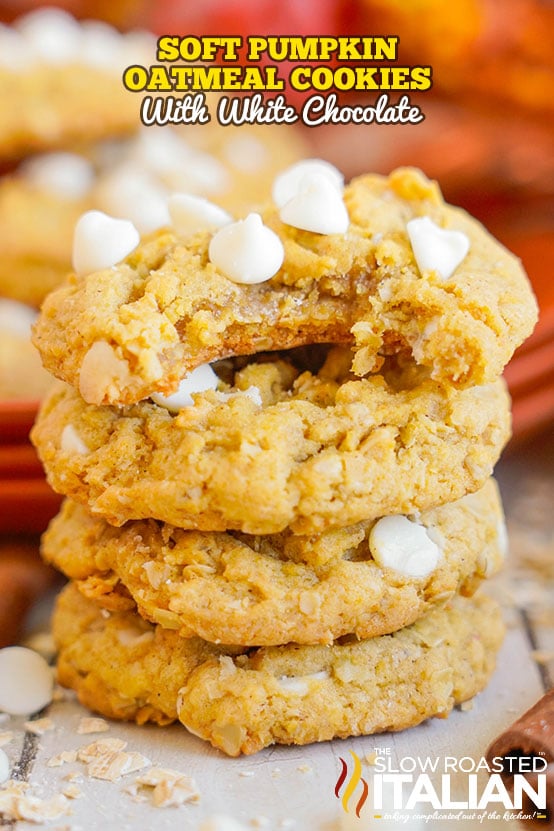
pixel 352 784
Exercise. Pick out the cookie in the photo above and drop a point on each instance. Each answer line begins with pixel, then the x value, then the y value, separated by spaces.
pixel 125 668
pixel 279 447
pixel 42 200
pixel 365 580
pixel 60 82
pixel 167 308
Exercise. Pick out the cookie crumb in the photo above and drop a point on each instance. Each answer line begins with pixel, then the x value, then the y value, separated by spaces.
pixel 371 758
pixel 465 706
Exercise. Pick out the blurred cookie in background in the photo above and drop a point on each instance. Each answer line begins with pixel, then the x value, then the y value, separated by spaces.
pixel 60 81
pixel 41 201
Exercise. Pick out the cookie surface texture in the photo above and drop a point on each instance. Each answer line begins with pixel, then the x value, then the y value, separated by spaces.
pixel 167 308
pixel 123 667
pixel 275 589
pixel 321 451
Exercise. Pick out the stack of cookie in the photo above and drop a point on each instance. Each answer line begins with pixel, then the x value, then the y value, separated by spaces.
pixel 276 438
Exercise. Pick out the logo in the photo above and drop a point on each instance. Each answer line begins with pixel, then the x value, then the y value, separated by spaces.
pixel 422 787
pixel 352 783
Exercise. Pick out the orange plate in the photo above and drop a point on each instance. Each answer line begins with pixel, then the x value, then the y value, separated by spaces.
pixel 16 419
pixel 26 505
pixel 19 461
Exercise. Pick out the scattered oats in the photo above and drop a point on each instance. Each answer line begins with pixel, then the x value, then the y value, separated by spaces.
pixel 260 822
pixel 90 752
pixel 275 773
pixel 246 773
pixel 16 804
pixel 73 776
pixel 6 738
pixel 542 656
pixel 371 758
pixel 72 792
pixel 288 822
pixel 92 725
pixel 304 768
pixel 38 810
pixel 171 788
pixel 39 726
pixel 62 758
pixel 465 706
pixel 112 765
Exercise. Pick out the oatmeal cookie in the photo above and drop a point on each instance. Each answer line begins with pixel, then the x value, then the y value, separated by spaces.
pixel 42 200
pixel 309 450
pixel 121 334
pixel 249 590
pixel 242 701
pixel 60 82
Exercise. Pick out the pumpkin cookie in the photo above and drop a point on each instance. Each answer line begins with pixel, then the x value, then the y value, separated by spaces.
pixel 125 668
pixel 60 81
pixel 42 200
pixel 367 580
pixel 276 446
pixel 406 274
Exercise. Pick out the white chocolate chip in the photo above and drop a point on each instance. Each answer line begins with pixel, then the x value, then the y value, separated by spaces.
pixel 101 46
pixel 15 53
pixel 254 394
pixel 134 637
pixel 27 681
pixel 245 153
pixel 287 184
pixel 101 371
pixel 247 251
pixel 200 379
pixel 404 546
pixel 4 767
pixel 318 207
pixel 221 822
pixel 16 318
pixel 100 241
pixel 71 441
pixel 158 150
pixel 194 213
pixel 436 249
pixel 131 193
pixel 64 174
pixel 53 35
pixel 502 536
pixel 300 685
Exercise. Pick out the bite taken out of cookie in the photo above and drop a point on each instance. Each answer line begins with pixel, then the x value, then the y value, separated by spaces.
pixel 384 266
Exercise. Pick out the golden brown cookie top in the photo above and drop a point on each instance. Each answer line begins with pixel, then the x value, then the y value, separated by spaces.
pixel 125 332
